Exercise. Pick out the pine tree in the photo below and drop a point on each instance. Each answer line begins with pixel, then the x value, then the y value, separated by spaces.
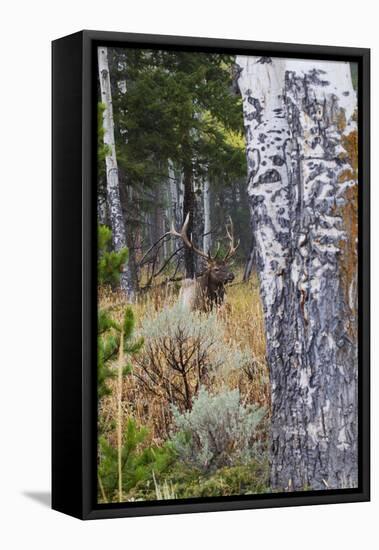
pixel 115 344
pixel 178 108
pixel 110 263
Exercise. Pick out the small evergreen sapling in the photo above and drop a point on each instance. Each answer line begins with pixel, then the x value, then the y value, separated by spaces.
pixel 115 343
pixel 108 347
pixel 110 263
pixel 108 341
pixel 140 463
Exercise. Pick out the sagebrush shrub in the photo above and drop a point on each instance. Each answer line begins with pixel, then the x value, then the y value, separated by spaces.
pixel 219 431
pixel 182 350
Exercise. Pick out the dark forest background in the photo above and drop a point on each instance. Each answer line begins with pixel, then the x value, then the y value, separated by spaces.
pixel 180 148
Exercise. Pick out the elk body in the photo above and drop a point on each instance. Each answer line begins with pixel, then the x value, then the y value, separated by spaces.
pixel 208 289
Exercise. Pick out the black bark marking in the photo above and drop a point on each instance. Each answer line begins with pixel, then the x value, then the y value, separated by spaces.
pixel 264 60
pixel 277 160
pixel 269 176
pixel 257 114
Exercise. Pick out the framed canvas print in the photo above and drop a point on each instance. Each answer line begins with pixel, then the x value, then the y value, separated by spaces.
pixel 210 274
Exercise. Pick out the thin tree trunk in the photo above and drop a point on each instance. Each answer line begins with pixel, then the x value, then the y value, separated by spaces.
pixel 188 208
pixel 250 262
pixel 207 242
pixel 120 367
pixel 172 200
pixel 102 215
pixel 158 222
pixel 176 198
pixel 299 119
pixel 113 188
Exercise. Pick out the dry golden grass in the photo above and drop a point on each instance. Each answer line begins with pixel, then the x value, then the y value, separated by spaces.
pixel 243 323
pixel 243 317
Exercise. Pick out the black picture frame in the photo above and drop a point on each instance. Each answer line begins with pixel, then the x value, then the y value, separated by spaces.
pixel 74 275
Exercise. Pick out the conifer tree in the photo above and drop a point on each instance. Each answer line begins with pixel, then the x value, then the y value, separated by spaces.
pixel 178 108
pixel 115 344
pixel 110 263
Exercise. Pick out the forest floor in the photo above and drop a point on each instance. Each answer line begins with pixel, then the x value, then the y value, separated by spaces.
pixel 240 326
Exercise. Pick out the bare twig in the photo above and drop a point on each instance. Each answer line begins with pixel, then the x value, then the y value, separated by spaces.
pixel 152 247
pixel 168 260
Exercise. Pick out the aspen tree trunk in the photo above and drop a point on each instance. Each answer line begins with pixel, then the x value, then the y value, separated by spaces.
pixel 301 134
pixel 113 188
pixel 102 212
pixel 207 243
pixel 173 203
pixel 176 194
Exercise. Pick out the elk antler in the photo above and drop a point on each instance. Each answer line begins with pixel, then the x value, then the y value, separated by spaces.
pixel 232 246
pixel 183 235
pixel 214 257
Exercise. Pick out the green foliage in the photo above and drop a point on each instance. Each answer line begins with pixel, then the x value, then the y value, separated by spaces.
pixel 109 263
pixel 108 342
pixel 178 106
pixel 105 322
pixel 106 351
pixel 108 346
pixel 181 481
pixel 218 431
pixel 244 479
pixel 130 347
pixel 241 479
pixel 139 461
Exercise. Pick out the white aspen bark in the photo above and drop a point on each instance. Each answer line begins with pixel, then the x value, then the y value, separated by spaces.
pixel 207 243
pixel 113 190
pixel 177 195
pixel 172 203
pixel 297 115
pixel 180 191
pixel 172 181
pixel 165 227
pixel 102 212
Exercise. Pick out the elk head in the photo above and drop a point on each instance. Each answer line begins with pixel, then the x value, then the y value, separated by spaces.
pixel 210 284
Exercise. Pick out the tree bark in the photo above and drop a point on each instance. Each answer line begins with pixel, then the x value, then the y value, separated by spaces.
pixel 250 262
pixel 299 122
pixel 188 208
pixel 207 242
pixel 113 188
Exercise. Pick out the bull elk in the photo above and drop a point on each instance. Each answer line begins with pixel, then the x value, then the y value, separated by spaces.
pixel 208 289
